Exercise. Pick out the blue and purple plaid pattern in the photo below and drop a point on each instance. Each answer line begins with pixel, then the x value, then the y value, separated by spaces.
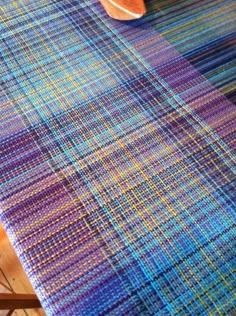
pixel 117 162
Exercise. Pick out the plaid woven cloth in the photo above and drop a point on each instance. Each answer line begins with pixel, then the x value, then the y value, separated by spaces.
pixel 117 155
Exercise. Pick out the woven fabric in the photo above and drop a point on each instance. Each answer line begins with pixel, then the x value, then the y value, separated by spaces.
pixel 118 155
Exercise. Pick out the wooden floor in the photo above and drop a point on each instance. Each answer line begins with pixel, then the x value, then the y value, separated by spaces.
pixel 13 276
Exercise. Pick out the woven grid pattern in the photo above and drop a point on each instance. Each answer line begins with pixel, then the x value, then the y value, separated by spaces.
pixel 117 155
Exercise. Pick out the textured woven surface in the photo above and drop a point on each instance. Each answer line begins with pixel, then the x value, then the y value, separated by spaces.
pixel 117 155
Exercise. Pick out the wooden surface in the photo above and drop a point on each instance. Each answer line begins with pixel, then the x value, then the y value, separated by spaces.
pixel 18 301
pixel 13 276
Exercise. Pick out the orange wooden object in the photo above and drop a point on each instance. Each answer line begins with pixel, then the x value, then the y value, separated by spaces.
pixel 124 9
